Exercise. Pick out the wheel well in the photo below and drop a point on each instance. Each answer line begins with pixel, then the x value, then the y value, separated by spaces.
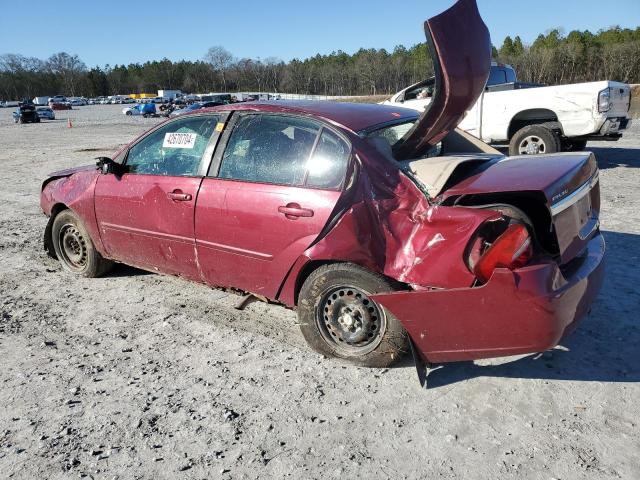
pixel 48 243
pixel 313 265
pixel 534 116
pixel 304 273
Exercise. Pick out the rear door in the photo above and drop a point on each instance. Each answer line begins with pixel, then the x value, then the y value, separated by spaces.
pixel 267 198
pixel 146 215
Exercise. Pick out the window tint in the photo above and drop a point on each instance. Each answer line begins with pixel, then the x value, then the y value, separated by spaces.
pixel 269 149
pixel 174 149
pixel 328 163
pixel 496 77
pixel 511 75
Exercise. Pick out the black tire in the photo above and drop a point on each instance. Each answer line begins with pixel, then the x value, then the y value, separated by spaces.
pixel 381 339
pixel 129 113
pixel 74 248
pixel 534 140
pixel 569 145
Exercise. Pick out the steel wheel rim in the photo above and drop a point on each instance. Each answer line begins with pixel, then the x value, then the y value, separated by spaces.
pixel 532 145
pixel 351 323
pixel 73 247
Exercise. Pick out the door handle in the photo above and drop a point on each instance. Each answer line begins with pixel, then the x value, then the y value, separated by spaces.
pixel 179 196
pixel 293 211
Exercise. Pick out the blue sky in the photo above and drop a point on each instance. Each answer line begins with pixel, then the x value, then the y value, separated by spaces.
pixel 120 31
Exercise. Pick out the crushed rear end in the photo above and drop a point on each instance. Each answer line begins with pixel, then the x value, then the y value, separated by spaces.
pixel 516 309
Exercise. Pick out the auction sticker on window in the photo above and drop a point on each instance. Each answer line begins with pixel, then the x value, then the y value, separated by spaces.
pixel 179 140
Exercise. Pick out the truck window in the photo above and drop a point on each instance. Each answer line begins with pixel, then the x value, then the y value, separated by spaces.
pixel 497 77
pixel 511 75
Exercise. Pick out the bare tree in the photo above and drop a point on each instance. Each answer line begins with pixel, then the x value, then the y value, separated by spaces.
pixel 220 60
pixel 69 68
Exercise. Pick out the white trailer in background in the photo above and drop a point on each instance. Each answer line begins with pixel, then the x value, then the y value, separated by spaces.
pixel 169 94
pixel 41 101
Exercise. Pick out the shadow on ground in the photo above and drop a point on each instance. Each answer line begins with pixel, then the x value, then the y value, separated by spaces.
pixel 603 349
pixel 616 157
pixel 121 270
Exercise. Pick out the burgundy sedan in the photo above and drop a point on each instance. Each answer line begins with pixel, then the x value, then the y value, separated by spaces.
pixel 388 232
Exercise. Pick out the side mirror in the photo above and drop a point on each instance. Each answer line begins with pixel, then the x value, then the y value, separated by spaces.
pixel 106 165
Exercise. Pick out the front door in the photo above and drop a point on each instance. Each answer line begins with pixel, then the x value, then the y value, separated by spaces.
pixel 278 182
pixel 146 215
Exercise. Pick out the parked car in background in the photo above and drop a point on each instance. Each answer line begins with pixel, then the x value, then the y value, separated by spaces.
pixel 78 102
pixel 144 109
pixel 26 113
pixel 10 103
pixel 532 118
pixel 194 107
pixel 46 112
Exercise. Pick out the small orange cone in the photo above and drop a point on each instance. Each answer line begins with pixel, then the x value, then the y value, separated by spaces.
pixel 69 124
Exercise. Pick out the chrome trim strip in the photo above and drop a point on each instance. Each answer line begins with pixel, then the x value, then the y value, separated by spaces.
pixel 576 196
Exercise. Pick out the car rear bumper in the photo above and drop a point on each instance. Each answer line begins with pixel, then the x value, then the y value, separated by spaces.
pixel 526 311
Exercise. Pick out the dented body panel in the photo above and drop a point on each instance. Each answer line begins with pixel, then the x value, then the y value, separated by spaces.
pixel 525 311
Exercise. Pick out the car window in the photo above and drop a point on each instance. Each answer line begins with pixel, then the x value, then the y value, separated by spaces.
pixel 175 149
pixel 269 149
pixel 327 165
pixel 511 75
pixel 497 77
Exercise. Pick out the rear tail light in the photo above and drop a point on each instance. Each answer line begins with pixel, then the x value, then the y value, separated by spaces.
pixel 512 249
pixel 604 100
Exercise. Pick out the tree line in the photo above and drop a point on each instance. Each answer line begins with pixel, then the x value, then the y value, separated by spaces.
pixel 553 58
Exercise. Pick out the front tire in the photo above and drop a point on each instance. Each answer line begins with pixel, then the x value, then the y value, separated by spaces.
pixel 338 319
pixel 534 140
pixel 74 248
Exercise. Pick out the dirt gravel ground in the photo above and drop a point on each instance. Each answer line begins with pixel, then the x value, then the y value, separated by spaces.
pixel 137 375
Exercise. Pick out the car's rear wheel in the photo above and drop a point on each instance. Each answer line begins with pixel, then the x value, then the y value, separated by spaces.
pixel 74 248
pixel 534 140
pixel 129 114
pixel 339 319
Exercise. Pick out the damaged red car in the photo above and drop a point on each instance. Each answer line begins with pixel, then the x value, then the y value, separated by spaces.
pixel 387 231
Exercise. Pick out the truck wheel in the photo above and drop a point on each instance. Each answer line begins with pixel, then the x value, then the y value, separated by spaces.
pixel 338 319
pixel 74 248
pixel 534 140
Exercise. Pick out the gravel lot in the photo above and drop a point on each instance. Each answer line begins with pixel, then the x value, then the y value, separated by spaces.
pixel 142 376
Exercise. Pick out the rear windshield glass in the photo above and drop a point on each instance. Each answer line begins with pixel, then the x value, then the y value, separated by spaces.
pixel 384 139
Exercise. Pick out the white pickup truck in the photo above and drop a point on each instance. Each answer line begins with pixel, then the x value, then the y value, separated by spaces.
pixel 534 119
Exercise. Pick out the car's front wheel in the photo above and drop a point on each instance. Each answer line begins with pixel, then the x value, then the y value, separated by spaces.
pixel 338 318
pixel 74 248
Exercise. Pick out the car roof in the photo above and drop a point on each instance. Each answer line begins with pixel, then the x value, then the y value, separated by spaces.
pixel 352 116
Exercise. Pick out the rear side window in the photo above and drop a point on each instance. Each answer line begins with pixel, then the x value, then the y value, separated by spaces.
pixel 327 165
pixel 175 149
pixel 283 150
pixel 269 149
pixel 496 77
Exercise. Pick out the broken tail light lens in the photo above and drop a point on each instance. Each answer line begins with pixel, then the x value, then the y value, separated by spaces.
pixel 513 249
